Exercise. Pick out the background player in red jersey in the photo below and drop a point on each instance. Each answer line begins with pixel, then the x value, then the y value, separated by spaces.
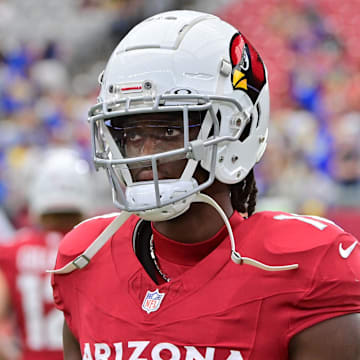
pixel 181 121
pixel 59 198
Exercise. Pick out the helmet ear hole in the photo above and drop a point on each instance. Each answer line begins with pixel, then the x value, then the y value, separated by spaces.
pixel 258 109
pixel 245 134
pixel 218 116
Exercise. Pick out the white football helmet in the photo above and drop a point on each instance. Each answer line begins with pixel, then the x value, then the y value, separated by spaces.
pixel 192 64
pixel 61 183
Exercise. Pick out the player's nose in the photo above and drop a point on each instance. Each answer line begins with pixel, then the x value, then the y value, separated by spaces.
pixel 149 146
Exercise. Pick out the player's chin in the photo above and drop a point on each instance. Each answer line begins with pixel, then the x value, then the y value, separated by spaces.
pixel 165 172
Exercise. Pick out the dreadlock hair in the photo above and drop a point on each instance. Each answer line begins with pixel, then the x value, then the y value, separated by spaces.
pixel 243 194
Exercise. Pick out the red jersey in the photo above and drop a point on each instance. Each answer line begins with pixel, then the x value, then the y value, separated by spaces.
pixel 23 263
pixel 215 309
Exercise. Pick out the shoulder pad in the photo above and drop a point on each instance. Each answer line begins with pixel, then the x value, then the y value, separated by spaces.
pixel 285 232
pixel 77 240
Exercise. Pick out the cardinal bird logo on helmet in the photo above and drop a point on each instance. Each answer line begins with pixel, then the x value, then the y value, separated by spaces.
pixel 248 72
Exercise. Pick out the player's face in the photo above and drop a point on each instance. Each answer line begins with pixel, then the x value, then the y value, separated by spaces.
pixel 149 134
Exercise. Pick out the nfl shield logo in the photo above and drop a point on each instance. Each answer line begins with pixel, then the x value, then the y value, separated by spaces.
pixel 152 301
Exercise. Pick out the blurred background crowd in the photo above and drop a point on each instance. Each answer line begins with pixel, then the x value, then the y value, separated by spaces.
pixel 51 53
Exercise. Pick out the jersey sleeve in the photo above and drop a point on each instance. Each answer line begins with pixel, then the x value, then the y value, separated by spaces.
pixel 334 287
pixel 71 246
pixel 61 284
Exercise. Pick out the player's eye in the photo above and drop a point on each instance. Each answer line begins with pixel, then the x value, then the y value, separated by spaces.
pixel 171 132
pixel 132 136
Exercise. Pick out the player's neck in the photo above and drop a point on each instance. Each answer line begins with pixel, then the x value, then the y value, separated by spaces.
pixel 199 223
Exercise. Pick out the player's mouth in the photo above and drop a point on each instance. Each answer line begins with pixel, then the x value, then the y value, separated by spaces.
pixel 146 175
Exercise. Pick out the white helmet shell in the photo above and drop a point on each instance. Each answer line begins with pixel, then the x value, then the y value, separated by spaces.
pixel 185 60
pixel 61 183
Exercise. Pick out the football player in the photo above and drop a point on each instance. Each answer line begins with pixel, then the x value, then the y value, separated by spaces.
pixel 187 270
pixel 59 198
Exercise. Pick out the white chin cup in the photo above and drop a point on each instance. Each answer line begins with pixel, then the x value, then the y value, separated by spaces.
pixel 143 195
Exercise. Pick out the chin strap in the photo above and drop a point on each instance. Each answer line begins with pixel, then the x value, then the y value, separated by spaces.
pixel 235 256
pixel 82 260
